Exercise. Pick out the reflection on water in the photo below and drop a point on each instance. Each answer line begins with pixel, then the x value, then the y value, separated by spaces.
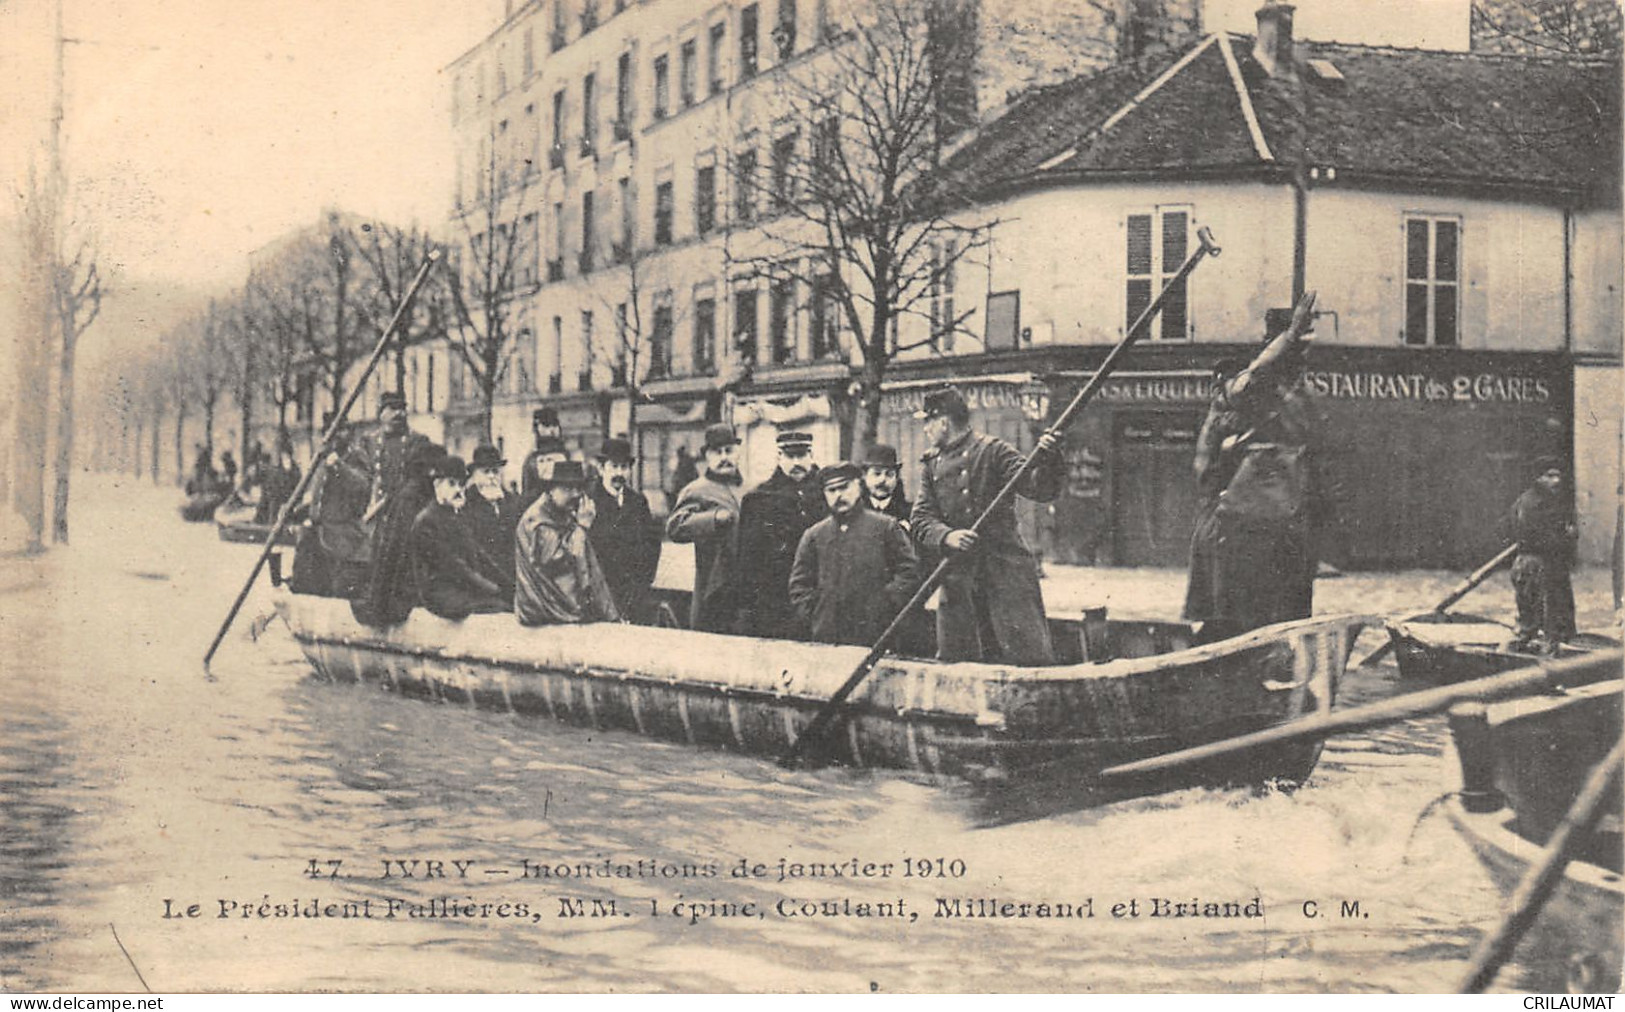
pixel 130 787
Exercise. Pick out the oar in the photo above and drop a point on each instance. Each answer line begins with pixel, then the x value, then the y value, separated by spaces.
pixel 1538 883
pixel 327 443
pixel 1539 678
pixel 1462 589
pixel 812 737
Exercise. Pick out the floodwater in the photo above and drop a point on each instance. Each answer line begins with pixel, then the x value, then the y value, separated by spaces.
pixel 161 829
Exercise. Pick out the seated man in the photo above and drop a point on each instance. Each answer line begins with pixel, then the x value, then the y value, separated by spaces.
pixel 559 579
pixel 491 514
pixel 446 560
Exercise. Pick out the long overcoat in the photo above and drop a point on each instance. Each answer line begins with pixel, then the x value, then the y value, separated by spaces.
pixel 772 518
pixel 391 589
pixel 1244 575
pixel 698 520
pixel 453 579
pixel 1541 587
pixel 559 579
pixel 626 540
pixel 851 575
pixel 492 523
pixel 991 604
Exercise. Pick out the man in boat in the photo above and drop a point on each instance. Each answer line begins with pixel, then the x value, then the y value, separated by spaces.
pixel 277 479
pixel 991 606
pixel 549 446
pixel 559 579
pixel 772 518
pixel 883 484
pixel 491 514
pixel 707 517
pixel 854 569
pixel 387 453
pixel 1546 535
pixel 1259 487
pixel 624 534
pixel 454 577
pixel 336 553
pixel 391 591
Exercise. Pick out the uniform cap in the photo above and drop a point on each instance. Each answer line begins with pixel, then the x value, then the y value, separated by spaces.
pixel 835 474
pixel 720 435
pixel 942 401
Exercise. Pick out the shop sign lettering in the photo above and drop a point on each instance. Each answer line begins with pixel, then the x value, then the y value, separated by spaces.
pixel 1481 388
pixel 1166 390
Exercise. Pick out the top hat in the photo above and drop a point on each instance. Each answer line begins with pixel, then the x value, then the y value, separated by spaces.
pixel 720 435
pixel 486 455
pixel 837 473
pixel 617 450
pixel 449 467
pixel 795 441
pixel 544 416
pixel 943 401
pixel 881 455
pixel 391 399
pixel 563 472
pixel 551 444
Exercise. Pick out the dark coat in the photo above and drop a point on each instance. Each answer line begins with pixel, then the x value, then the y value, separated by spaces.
pixel 333 558
pixel 772 518
pixel 277 484
pixel 1244 575
pixel 900 507
pixel 559 579
pixel 991 603
pixel 852 575
pixel 698 520
pixel 1541 586
pixel 492 525
pixel 626 540
pixel 1542 525
pixel 390 591
pixel 453 578
pixel 388 457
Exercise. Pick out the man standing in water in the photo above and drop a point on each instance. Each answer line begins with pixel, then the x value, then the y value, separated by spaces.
pixel 991 606
pixel 1546 537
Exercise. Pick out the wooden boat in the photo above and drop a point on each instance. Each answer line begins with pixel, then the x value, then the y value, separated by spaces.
pixel 971 720
pixel 199 507
pixel 234 520
pixel 1448 647
pixel 1523 761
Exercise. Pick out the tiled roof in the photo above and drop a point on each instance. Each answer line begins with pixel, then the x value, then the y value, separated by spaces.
pixel 1398 116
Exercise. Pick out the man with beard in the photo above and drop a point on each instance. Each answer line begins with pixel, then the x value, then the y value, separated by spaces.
pixel 772 518
pixel 491 514
pixel 883 484
pixel 707 516
pixel 453 578
pixel 991 605
pixel 853 569
pixel 623 532
pixel 559 579
pixel 549 435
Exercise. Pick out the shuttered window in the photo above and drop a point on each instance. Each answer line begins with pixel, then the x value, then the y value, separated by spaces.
pixel 1157 244
pixel 1432 281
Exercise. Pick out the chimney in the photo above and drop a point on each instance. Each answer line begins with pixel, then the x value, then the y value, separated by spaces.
pixel 1273 50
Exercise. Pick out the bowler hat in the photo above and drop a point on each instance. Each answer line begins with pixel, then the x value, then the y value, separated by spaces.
pixel 881 455
pixel 835 474
pixel 486 455
pixel 551 444
pixel 1548 462
pixel 719 436
pixel 449 467
pixel 616 450
pixel 544 416
pixel 563 472
pixel 795 441
pixel 943 401
pixel 391 399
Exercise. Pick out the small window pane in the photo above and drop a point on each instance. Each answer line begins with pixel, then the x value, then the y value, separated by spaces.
pixel 1444 256
pixel 1416 314
pixel 1416 249
pixel 1444 315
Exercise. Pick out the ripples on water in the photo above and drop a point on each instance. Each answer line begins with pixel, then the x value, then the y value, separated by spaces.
pixel 127 780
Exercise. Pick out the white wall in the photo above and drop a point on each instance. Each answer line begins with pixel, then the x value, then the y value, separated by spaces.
pixel 1421 24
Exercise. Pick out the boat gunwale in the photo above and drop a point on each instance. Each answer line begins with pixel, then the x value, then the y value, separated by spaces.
pixel 1494 830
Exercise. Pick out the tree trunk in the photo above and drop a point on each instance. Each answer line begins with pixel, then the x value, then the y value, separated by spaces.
pixel 489 393
pixel 180 447
pixel 33 386
pixel 208 426
pixel 157 425
pixel 135 447
pixel 64 437
pixel 874 375
pixel 245 400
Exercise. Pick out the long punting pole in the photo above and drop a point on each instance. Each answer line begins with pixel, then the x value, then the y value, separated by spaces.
pixel 812 737
pixel 1462 589
pixel 327 443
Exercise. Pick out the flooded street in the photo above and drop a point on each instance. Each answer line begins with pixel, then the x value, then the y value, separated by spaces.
pixel 224 829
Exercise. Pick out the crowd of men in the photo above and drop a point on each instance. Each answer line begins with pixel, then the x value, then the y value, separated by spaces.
pixel 830 554
pixel 824 554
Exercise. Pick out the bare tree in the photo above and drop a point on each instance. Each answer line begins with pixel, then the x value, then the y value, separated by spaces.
pixel 1548 27
pixel 392 257
pixel 77 294
pixel 35 328
pixel 283 315
pixel 856 220
pixel 497 263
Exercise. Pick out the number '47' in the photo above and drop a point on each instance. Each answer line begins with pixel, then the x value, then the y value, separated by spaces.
pixel 314 869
